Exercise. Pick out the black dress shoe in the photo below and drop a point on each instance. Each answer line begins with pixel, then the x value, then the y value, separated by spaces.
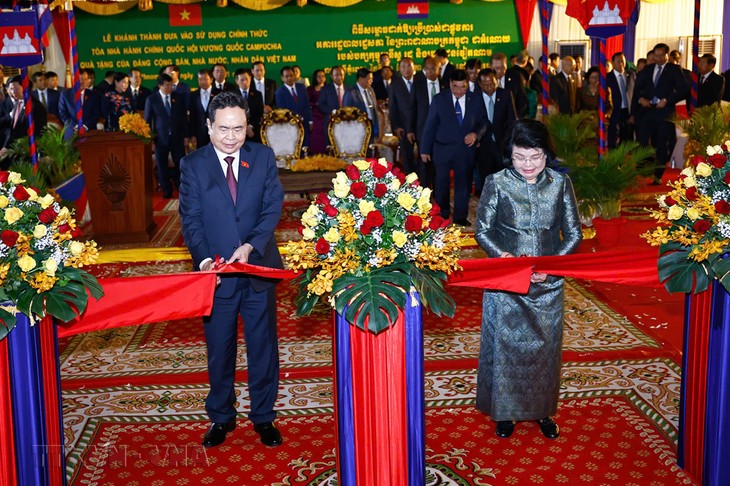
pixel 463 222
pixel 549 428
pixel 505 428
pixel 270 435
pixel 216 434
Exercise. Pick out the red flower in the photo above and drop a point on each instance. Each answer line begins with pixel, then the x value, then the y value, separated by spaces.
pixel 702 225
pixel 727 178
pixel 414 223
pixel 435 210
pixel 9 237
pixel 76 232
pixel 47 215
pixel 322 247
pixel 718 160
pixel 691 193
pixel 322 199
pixel 358 189
pixel 352 172
pixel 4 175
pixel 400 175
pixel 300 229
pixel 380 189
pixel 435 222
pixel 64 228
pixel 722 207
pixel 374 219
pixel 669 201
pixel 330 210
pixel 696 160
pixel 379 171
pixel 365 228
pixel 20 193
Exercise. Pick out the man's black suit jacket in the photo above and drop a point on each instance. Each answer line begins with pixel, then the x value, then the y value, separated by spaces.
pixel 142 95
pixel 513 83
pixel 402 105
pixel 255 111
pixel 227 86
pixel 9 133
pixel 670 86
pixel 441 124
pixel 445 78
pixel 168 129
pixel 52 100
pixel 198 119
pixel 503 118
pixel 711 90
pixel 560 93
pixel 270 89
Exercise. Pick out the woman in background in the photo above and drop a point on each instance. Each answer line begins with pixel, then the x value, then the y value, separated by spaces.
pixel 116 102
pixel 526 209
pixel 317 142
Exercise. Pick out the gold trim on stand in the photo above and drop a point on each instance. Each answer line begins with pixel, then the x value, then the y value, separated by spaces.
pixel 106 8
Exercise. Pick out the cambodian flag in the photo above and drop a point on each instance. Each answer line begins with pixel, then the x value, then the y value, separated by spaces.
pixel 417 9
pixel 45 20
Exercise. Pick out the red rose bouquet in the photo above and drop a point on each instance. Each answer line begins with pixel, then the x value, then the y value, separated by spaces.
pixel 367 240
pixel 694 232
pixel 40 261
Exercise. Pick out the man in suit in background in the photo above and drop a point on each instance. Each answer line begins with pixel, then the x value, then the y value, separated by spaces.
pixel 265 86
pixel 658 88
pixel 255 104
pixel 91 105
pixel 620 84
pixel 52 82
pixel 182 89
pixel 362 97
pixel 563 89
pixel 219 79
pixel 501 114
pixel 402 112
pixel 473 66
pixel 166 113
pixel 450 138
pixel 13 120
pixel 199 101
pixel 106 84
pixel 511 80
pixel 579 72
pixel 136 92
pixel 384 62
pixel 48 98
pixel 380 87
pixel 332 96
pixel 446 68
pixel 710 84
pixel 293 97
pixel 230 204
pixel 426 88
pixel 675 57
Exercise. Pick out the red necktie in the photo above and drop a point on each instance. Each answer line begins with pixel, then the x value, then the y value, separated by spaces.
pixel 231 179
pixel 294 95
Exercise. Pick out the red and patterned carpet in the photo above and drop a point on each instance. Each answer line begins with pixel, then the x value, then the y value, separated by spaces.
pixel 134 414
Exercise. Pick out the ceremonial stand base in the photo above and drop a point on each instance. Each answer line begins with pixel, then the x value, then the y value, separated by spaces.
pixel 31 424
pixel 379 401
pixel 704 418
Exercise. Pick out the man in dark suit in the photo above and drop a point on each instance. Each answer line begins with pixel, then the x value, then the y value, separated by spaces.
pixel 381 86
pixel 106 84
pixel 166 113
pixel 675 57
pixel 620 84
pixel 52 82
pixel 265 86
pixel 136 92
pixel 450 137
pixel 726 92
pixel 659 87
pixel 563 89
pixel 182 89
pixel 230 204
pixel 402 112
pixel 199 101
pixel 511 80
pixel 446 69
pixel 13 120
pixel 219 79
pixel 332 96
pixel 384 62
pixel 293 97
pixel 710 84
pixel 426 88
pixel 501 114
pixel 91 105
pixel 255 104
pixel 473 66
pixel 48 97
pixel 362 97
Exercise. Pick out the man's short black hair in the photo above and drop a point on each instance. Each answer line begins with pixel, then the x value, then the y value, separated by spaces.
pixel 15 79
pixel 173 67
pixel 459 75
pixel 109 74
pixel 663 46
pixel 362 73
pixel 37 75
pixel 226 99
pixel 286 68
pixel 473 63
pixel 205 71
pixel 51 74
pixel 163 78
pixel 711 60
pixel 487 72
pixel 240 71
pixel 615 55
pixel 441 52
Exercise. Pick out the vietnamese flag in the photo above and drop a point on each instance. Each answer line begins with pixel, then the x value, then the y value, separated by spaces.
pixel 185 15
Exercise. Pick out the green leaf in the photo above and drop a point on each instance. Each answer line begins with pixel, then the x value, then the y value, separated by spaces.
pixel 430 285
pixel 374 298
pixel 721 268
pixel 7 323
pixel 304 302
pixel 680 274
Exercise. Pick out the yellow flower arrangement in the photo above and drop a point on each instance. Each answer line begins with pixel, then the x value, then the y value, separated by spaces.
pixel 40 260
pixel 368 240
pixel 136 125
pixel 693 235
pixel 318 162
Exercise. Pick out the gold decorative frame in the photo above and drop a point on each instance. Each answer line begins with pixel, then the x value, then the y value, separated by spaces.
pixel 347 114
pixel 283 116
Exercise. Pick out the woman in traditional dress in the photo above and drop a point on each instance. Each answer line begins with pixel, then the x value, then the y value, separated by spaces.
pixel 116 102
pixel 526 209
pixel 317 142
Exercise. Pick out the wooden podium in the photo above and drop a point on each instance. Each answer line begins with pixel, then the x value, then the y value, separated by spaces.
pixel 118 171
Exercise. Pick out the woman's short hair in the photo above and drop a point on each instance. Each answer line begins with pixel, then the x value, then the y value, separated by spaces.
pixel 591 70
pixel 529 134
pixel 119 76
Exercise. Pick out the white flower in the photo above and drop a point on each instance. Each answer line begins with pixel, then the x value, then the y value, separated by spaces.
pixel 411 178
pixel 714 149
pixel 76 247
pixel 383 162
pixel 40 231
pixel 14 178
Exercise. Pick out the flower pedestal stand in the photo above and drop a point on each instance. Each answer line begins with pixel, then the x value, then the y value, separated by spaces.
pixel 379 401
pixel 31 424
pixel 704 420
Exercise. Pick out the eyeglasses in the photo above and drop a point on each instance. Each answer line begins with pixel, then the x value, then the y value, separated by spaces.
pixel 535 159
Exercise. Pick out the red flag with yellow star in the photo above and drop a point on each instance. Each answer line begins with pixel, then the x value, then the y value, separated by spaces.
pixel 185 15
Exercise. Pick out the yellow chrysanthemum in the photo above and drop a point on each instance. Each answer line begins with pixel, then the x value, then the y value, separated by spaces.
pixel 318 162
pixel 42 282
pixel 347 226
pixel 660 236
